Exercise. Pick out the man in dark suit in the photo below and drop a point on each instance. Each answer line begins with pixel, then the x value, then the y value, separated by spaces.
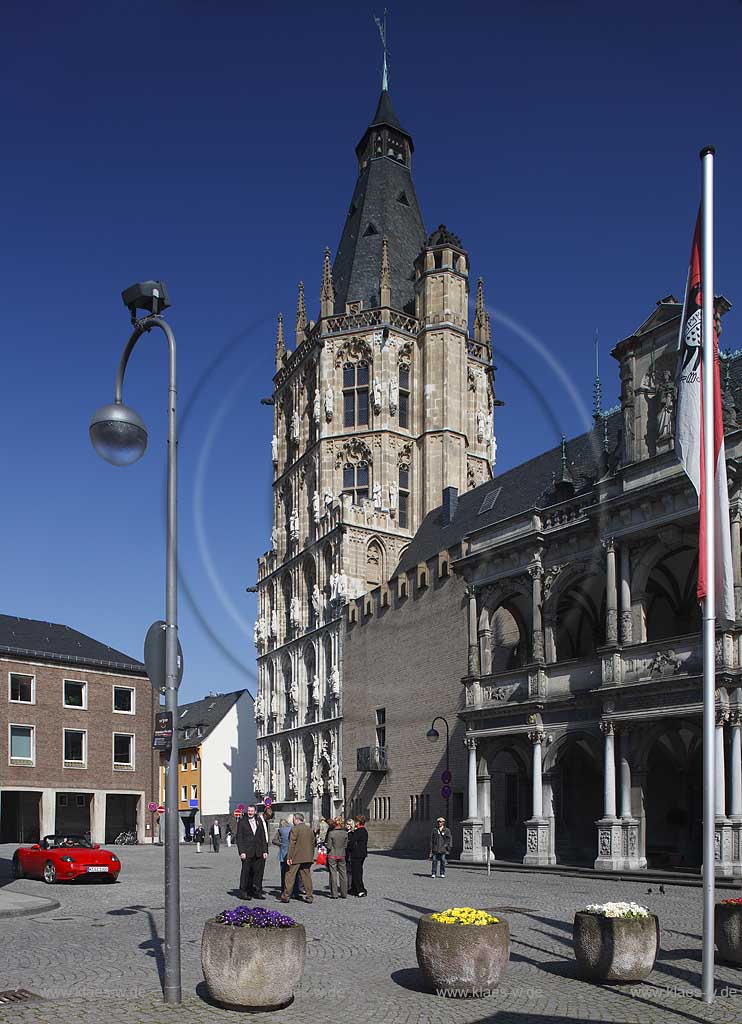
pixel 253 849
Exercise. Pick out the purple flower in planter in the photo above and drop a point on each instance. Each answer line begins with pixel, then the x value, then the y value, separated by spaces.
pixel 255 917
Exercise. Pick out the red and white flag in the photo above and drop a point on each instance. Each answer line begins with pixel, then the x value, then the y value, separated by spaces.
pixel 689 438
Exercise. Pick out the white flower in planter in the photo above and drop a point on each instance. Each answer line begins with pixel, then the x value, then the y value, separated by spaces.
pixel 618 909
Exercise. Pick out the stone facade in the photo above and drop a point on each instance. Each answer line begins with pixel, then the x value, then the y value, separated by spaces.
pixel 376 411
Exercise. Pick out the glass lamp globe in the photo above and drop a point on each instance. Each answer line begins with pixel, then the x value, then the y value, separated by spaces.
pixel 118 434
pixel 432 735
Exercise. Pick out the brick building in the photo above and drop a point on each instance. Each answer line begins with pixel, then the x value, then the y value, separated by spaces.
pixel 76 721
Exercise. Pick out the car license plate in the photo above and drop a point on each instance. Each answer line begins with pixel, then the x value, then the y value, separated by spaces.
pixel 102 868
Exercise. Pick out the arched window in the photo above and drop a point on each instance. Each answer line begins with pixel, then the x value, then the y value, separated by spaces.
pixel 310 578
pixel 287 605
pixel 404 395
pixel 672 607
pixel 355 394
pixel 404 497
pixel 509 642
pixel 374 564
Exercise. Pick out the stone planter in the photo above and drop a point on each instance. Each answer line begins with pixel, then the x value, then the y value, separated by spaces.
pixel 728 931
pixel 252 968
pixel 615 949
pixel 461 960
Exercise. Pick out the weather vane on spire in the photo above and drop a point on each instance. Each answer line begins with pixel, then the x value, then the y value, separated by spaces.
pixel 381 25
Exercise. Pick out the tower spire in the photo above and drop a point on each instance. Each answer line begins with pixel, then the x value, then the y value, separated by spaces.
pixel 382 27
pixel 597 390
pixel 480 319
pixel 385 280
pixel 301 316
pixel 327 292
pixel 280 343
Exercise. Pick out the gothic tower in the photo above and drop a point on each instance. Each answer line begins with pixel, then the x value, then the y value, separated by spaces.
pixel 385 401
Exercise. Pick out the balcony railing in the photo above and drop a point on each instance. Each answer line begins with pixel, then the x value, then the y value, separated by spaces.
pixel 371 759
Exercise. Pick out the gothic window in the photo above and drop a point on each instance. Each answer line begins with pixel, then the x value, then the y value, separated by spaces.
pixel 509 646
pixel 404 396
pixel 404 496
pixel 355 394
pixel 374 565
pixel 355 481
pixel 287 606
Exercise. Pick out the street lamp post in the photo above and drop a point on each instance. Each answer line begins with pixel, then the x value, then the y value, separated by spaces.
pixel 119 436
pixel 433 735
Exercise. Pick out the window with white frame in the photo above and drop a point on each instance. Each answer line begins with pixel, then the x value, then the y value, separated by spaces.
pixel 194 792
pixel 123 750
pixel 184 793
pixel 124 701
pixel 194 761
pixel 21 744
pixel 21 689
pixel 75 693
pixel 75 748
pixel 184 762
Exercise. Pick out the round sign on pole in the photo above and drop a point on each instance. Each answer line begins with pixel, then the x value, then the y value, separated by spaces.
pixel 154 655
pixel 161 809
pixel 267 802
pixel 446 777
pixel 152 807
pixel 446 792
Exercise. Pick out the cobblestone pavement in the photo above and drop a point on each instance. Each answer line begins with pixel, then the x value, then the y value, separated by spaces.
pixel 98 957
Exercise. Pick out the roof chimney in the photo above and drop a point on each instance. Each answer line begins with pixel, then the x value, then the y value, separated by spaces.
pixel 450 504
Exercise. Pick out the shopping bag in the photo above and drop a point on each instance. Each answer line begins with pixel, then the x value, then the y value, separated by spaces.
pixel 321 858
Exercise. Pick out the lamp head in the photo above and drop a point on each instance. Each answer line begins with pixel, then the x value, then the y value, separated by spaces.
pixel 433 734
pixel 118 434
pixel 150 296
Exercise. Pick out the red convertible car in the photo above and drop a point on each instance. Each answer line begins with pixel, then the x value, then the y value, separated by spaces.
pixel 63 858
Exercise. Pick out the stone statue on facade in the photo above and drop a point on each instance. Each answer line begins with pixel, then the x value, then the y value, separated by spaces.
pixel 258 782
pixel 481 425
pixel 329 404
pixel 294 525
pixel 316 506
pixel 393 395
pixel 334 775
pixel 314 696
pixel 335 682
pixel 316 407
pixel 666 404
pixel 259 708
pixel 293 781
pixel 274 449
pixel 315 784
pixel 293 695
pixel 316 601
pixel 274 539
pixel 295 426
pixel 274 623
pixel 294 612
pixel 273 780
pixel 377 495
pixel 261 632
pixel 392 497
pixel 274 705
pixel 341 587
pixel 376 393
pixel 493 449
pixel 328 499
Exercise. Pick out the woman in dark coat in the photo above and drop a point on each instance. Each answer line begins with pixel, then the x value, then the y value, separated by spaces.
pixel 357 852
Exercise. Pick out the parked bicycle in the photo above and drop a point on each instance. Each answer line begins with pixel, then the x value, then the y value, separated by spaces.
pixel 126 839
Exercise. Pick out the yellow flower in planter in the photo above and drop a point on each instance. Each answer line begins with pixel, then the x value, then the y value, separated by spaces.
pixel 464 915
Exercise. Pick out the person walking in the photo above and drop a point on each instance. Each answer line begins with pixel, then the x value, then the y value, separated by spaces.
pixel 228 834
pixel 216 835
pixel 336 841
pixel 253 850
pixel 281 840
pixel 200 836
pixel 300 858
pixel 441 842
pixel 358 850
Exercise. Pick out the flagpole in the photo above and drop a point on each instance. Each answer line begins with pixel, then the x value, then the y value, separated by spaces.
pixel 709 603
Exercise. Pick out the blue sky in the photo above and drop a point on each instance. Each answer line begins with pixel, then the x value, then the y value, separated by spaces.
pixel 211 144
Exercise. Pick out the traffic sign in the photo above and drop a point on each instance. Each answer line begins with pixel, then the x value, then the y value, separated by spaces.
pixel 151 807
pixel 154 656
pixel 268 802
pixel 446 777
pixel 446 792
pixel 161 809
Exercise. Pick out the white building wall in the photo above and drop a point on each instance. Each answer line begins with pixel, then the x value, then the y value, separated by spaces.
pixel 227 761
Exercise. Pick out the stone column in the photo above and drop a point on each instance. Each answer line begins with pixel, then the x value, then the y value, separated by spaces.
pixel 48 813
pixel 472 852
pixel 609 771
pixel 484 802
pixel 485 649
pixel 737 558
pixel 474 663
pixel 537 635
pixel 611 595
pixel 625 768
pixel 625 621
pixel 735 780
pixel 538 839
pixel 720 796
pixel 727 858
pixel 98 817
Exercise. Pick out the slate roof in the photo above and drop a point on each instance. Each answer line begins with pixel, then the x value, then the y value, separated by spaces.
pixel 204 715
pixel 385 114
pixel 384 204
pixel 530 485
pixel 34 638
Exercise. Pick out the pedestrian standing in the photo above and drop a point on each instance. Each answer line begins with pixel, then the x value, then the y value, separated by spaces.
pixel 216 835
pixel 263 817
pixel 200 837
pixel 336 841
pixel 441 842
pixel 228 834
pixel 281 840
pixel 253 850
pixel 349 826
pixel 299 859
pixel 358 850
